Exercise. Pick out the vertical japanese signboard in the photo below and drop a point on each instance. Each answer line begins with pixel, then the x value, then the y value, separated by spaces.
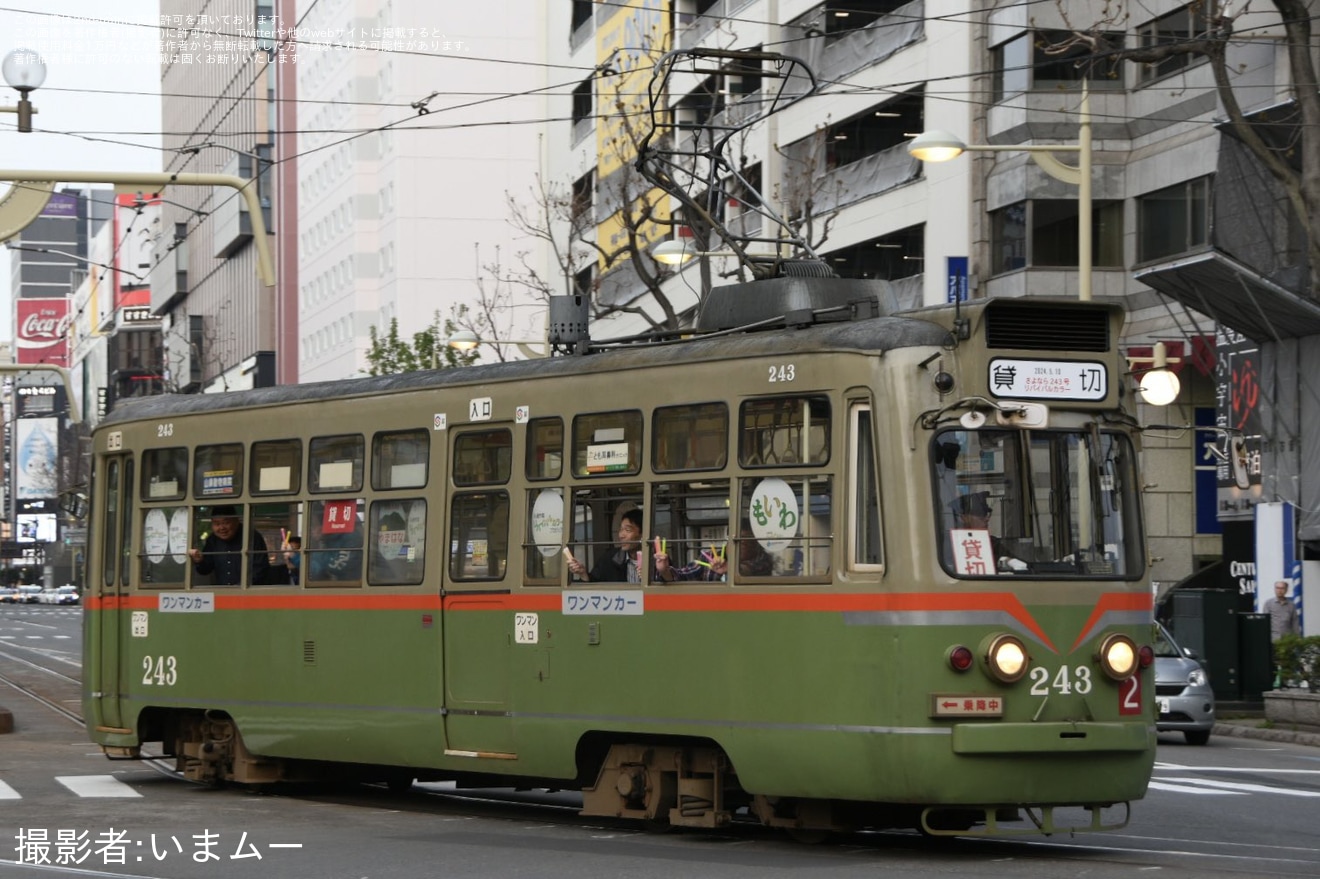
pixel 1237 408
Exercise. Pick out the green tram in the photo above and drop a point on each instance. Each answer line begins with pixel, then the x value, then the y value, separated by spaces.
pixel 840 645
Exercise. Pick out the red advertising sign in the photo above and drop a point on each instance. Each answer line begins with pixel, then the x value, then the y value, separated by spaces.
pixel 42 328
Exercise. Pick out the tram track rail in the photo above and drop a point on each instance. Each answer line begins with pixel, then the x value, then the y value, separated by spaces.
pixel 39 695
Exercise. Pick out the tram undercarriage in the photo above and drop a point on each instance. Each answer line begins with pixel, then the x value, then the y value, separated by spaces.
pixel 661 784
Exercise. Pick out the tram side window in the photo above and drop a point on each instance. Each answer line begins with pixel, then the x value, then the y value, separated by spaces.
pixel 332 546
pixel 276 467
pixel 597 514
pixel 692 518
pixel 110 518
pixel 399 460
pixel 218 471
pixel 784 432
pixel 277 522
pixel 164 546
pixel 483 457
pixel 232 549
pixel 334 464
pixel 398 542
pixel 545 448
pixel 126 537
pixel 785 527
pixel 164 474
pixel 545 537
pixel 607 444
pixel 690 437
pixel 479 535
pixel 865 502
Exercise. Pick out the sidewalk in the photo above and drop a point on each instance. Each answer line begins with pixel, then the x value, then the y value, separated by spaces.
pixel 1256 728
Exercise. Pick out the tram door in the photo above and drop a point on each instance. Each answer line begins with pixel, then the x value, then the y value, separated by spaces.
pixel 477 586
pixel 111 573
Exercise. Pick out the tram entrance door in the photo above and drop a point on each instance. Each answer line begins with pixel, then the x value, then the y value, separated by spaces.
pixel 110 574
pixel 478 720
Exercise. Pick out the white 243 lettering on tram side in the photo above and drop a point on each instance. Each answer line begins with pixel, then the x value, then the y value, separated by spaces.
pixel 160 671
pixel 784 372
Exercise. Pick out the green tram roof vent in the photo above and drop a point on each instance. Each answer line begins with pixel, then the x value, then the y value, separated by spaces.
pixel 793 301
pixel 1041 327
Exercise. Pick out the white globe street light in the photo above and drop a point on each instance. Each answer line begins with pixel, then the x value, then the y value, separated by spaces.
pixel 24 71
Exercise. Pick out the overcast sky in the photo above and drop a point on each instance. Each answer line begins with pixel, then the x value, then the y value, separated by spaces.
pixel 99 108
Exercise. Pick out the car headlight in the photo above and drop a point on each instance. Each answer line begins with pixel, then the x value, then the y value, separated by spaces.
pixel 1197 677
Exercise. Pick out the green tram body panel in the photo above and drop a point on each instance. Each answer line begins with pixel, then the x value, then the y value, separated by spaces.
pixel 848 722
pixel 814 690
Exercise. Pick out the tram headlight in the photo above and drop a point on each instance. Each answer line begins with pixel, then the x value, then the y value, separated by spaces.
pixel 1006 658
pixel 1118 657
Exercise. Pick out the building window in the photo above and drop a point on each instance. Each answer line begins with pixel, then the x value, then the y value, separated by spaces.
pixel 1178 26
pixel 1044 61
pixel 1043 233
pixel 874 130
pixel 584 109
pixel 581 213
pixel 1173 220
pixel 888 257
pixel 842 17
pixel 582 12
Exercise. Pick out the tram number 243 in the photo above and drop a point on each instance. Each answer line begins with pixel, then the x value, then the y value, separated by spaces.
pixel 159 671
pixel 1067 680
pixel 1077 679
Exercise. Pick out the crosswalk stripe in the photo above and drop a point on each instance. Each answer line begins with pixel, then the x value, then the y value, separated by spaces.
pixel 1250 788
pixel 8 793
pixel 96 786
pixel 1180 789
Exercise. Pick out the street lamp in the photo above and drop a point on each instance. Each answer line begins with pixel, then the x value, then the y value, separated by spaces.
pixel 466 340
pixel 676 251
pixel 1158 385
pixel 24 70
pixel 940 146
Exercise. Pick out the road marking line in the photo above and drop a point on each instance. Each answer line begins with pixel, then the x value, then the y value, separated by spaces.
pixel 8 793
pixel 1250 788
pixel 1179 789
pixel 97 786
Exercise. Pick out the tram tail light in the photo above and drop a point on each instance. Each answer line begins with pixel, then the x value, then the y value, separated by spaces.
pixel 960 658
pixel 1006 658
pixel 1146 656
pixel 1118 657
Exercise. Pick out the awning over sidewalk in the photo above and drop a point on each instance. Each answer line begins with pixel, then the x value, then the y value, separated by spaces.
pixel 1234 295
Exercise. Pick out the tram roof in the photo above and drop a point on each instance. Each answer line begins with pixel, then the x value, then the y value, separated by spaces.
pixel 874 335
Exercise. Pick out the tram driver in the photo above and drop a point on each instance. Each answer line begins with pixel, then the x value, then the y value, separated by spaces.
pixel 973 512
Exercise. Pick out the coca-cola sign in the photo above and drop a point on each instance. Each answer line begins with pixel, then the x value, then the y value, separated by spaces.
pixel 43 331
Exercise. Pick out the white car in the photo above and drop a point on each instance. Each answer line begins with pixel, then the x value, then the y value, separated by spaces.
pixel 66 594
pixel 29 594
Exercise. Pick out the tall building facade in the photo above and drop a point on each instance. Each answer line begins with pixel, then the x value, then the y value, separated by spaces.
pixel 417 123
pixel 219 78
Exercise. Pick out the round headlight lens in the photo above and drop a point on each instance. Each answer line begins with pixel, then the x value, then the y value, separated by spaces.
pixel 1007 658
pixel 1118 657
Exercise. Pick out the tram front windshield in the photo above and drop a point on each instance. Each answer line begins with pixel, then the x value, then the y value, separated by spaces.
pixel 1045 503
